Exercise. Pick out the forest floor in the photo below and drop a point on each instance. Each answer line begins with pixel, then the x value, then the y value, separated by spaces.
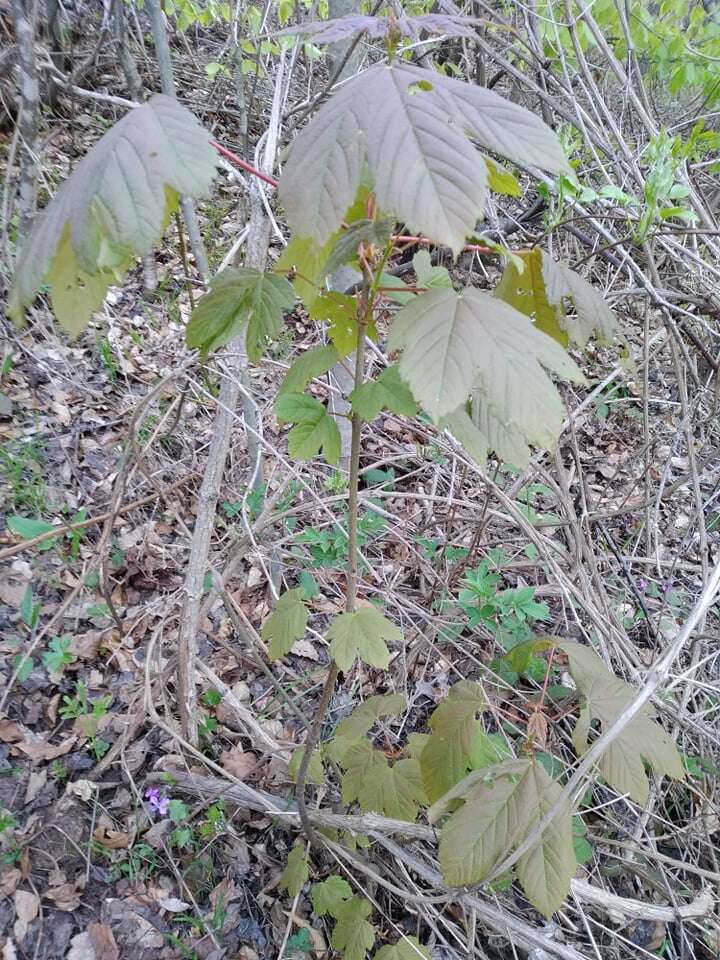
pixel 116 839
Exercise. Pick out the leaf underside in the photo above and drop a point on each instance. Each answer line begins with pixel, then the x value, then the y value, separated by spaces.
pixel 340 28
pixel 112 208
pixel 410 126
pixel 494 820
pixel 455 345
pixel 606 696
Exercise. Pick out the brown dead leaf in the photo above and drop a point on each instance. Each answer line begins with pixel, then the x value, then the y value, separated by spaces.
pixel 129 927
pixel 112 839
pixel 86 645
pixel 67 896
pixel 537 728
pixel 81 947
pixel 95 943
pixel 27 906
pixel 173 905
pixel 224 893
pixel 117 653
pixel 303 648
pixel 41 750
pixel 9 880
pixel 238 762
pixel 12 592
pixel 36 781
pixel 81 788
pixel 10 732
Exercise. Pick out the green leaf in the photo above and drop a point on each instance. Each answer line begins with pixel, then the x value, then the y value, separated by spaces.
pixel 29 610
pixel 316 430
pixel 487 750
pixel 396 288
pixel 426 118
pixel 388 391
pixel 541 290
pixel 58 655
pixel 362 633
pixel 373 232
pixel 392 790
pixel 311 364
pixel 364 716
pixel 525 290
pixel 27 528
pixel 501 180
pixel 299 943
pixel 295 875
pixel 330 895
pixel 428 275
pixel 339 311
pixel 315 773
pixel 297 408
pixel 606 696
pixel 408 948
pixel 113 208
pixel 237 299
pixel 304 260
pixel 350 730
pixel 357 760
pixel 24 666
pixel 496 817
pixel 446 757
pixel 178 811
pixel 520 656
pixel 286 624
pixel 353 934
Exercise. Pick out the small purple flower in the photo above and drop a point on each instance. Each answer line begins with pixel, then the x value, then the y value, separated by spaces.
pixel 157 801
pixel 642 585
